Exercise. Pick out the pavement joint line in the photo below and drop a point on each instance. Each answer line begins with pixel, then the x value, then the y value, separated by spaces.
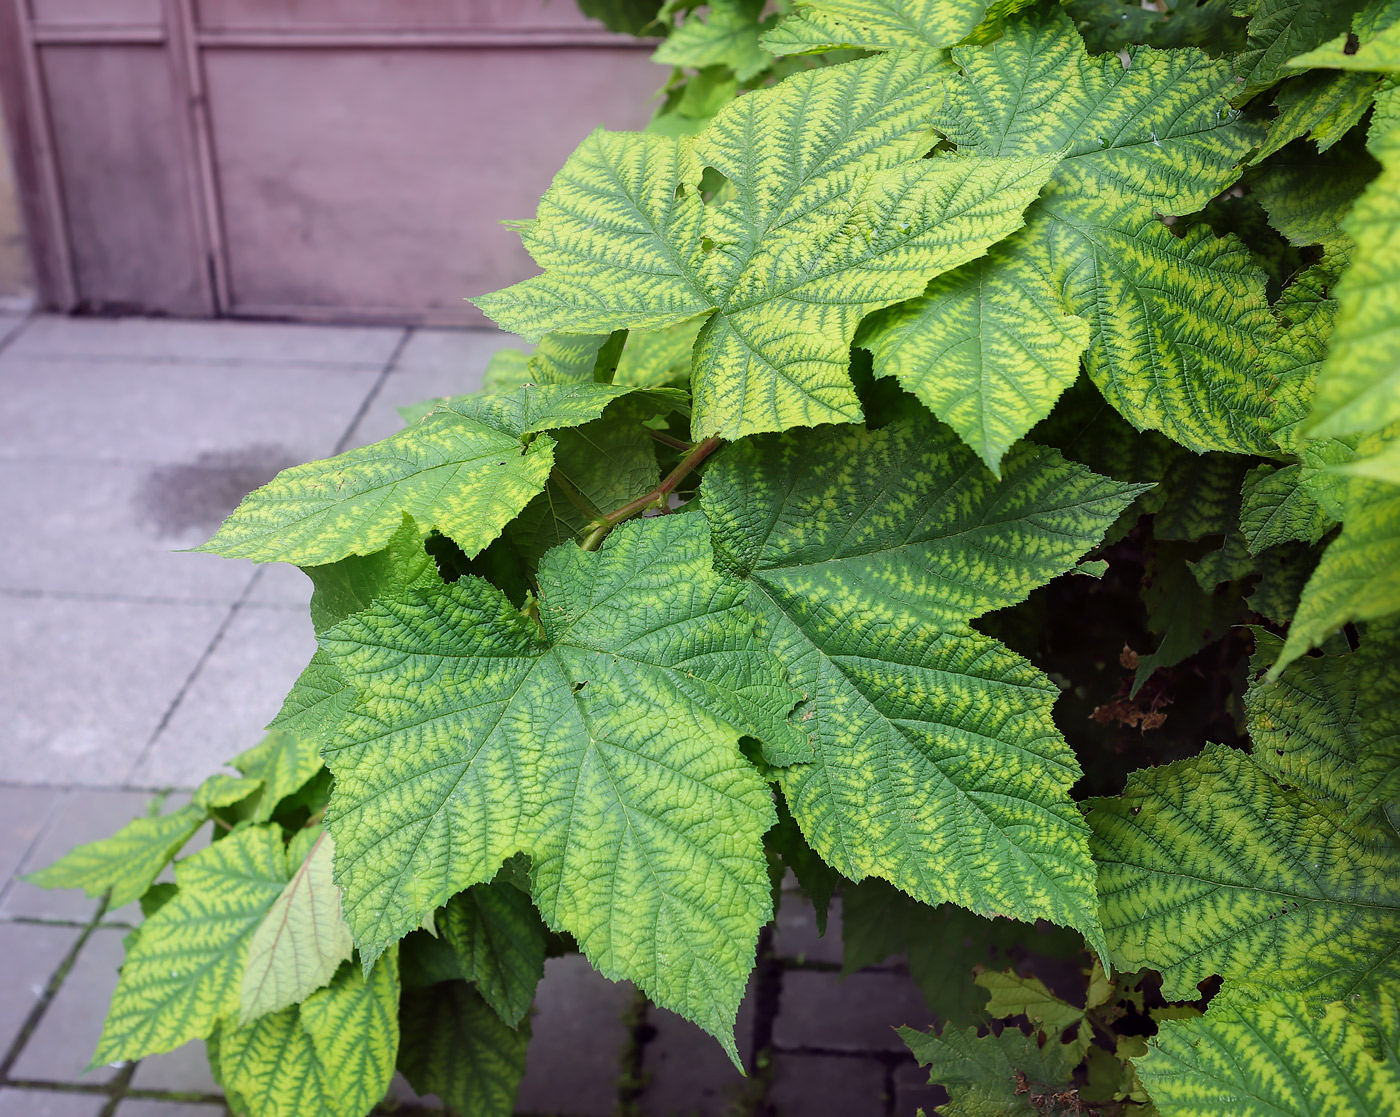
pixel 40 921
pixel 132 599
pixel 14 335
pixel 116 1089
pixel 56 980
pixel 205 656
pixel 365 404
pixel 49 822
pixel 220 364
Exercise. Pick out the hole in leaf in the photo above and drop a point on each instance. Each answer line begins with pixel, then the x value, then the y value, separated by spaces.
pixel 579 686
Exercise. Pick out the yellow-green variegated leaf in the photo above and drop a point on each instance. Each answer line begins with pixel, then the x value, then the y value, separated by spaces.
pixel 498 939
pixel 837 213
pixel 1276 507
pixel 602 740
pixel 1322 106
pixel 128 861
pixel 465 469
pixel 183 973
pixel 1176 322
pixel 301 941
pixel 456 1047
pixel 653 358
pixel 1208 866
pixel 938 765
pixel 822 25
pixel 726 35
pixel 988 348
pixel 333 1055
pixel 1383 465
pixel 1278 1056
pixel 1378 54
pixel 1280 29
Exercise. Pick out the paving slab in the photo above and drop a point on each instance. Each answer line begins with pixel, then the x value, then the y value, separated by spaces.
pixel 859 1013
pixel 82 816
pixel 111 529
pixel 9 325
pixel 433 363
pixel 577 1043
pixel 194 416
pixel 150 1107
pixel 238 691
pixel 84 684
pixel 67 1035
pixel 49 1103
pixel 687 1073
pixel 23 812
pixel 30 955
pixel 169 339
pixel 182 1071
pixel 282 586
pixel 827 1086
pixel 913 1091
pixel 795 930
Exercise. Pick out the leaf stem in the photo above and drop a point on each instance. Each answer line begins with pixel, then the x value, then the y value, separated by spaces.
pixel 599 529
pixel 575 495
pixel 667 440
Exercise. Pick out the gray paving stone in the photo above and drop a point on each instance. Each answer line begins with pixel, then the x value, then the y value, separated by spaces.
pixel 23 812
pixel 578 1038
pixel 282 586
pixel 68 1032
pixel 913 1091
pixel 433 363
pixel 859 1013
pixel 9 325
pixel 150 1107
pixel 795 932
pixel 48 1103
pixel 687 1073
pixel 84 684
pixel 82 816
pixel 111 529
pixel 30 954
pixel 182 1071
pixel 827 1086
pixel 237 692
pixel 183 416
pixel 167 339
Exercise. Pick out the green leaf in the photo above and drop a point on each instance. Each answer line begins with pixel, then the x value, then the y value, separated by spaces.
pixel 1182 610
pixel 816 878
pixel 1276 507
pixel 836 215
pixel 1110 25
pixel 353 584
pixel 454 1046
pixel 988 348
pixel 1175 321
pixel 992 1075
pixel 1379 54
pixel 183 973
pixel 332 1055
pixel 128 861
pixel 727 36
pixel 1290 362
pixel 1207 866
pixel 605 746
pixel 938 765
pixel 1308 196
pixel 656 357
pixel 1015 995
pixel 499 941
pixel 315 706
pixel 301 941
pixel 1281 29
pixel 1322 106
pixel 822 25
pixel 635 17
pixel 219 791
pixel 1276 1056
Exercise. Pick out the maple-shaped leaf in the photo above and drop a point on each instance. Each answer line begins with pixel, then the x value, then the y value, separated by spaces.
pixel 1278 1055
pixel 1330 725
pixel 1322 105
pixel 456 1047
pixel 727 35
pixel 499 941
pixel 1208 866
pixel 602 741
pixel 938 765
pixel 822 25
pixel 835 214
pixel 993 1075
pixel 333 1054
pixel 182 975
pixel 1175 320
pixel 1281 29
pixel 128 861
pixel 465 469
pixel 301 941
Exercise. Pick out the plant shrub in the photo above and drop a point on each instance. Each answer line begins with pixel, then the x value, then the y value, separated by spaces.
pixel 958 465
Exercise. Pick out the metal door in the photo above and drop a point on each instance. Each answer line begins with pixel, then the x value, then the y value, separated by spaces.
pixel 318 160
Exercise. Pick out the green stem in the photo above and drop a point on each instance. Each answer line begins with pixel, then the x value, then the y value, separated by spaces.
pixel 667 440
pixel 575 495
pixel 598 530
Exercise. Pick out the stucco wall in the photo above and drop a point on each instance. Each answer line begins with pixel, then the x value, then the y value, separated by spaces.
pixel 15 284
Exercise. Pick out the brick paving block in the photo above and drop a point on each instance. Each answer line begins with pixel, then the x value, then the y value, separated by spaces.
pixel 433 363
pixel 168 339
pixel 152 1107
pixel 193 415
pixel 30 954
pixel 83 816
pixel 109 528
pixel 23 812
pixel 913 1091
pixel 67 1035
pixel 238 691
pixel 49 1103
pixel 182 1071
pixel 827 1086
pixel 795 930
pixel 858 1013
pixel 84 684
pixel 578 1038
pixel 686 1072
